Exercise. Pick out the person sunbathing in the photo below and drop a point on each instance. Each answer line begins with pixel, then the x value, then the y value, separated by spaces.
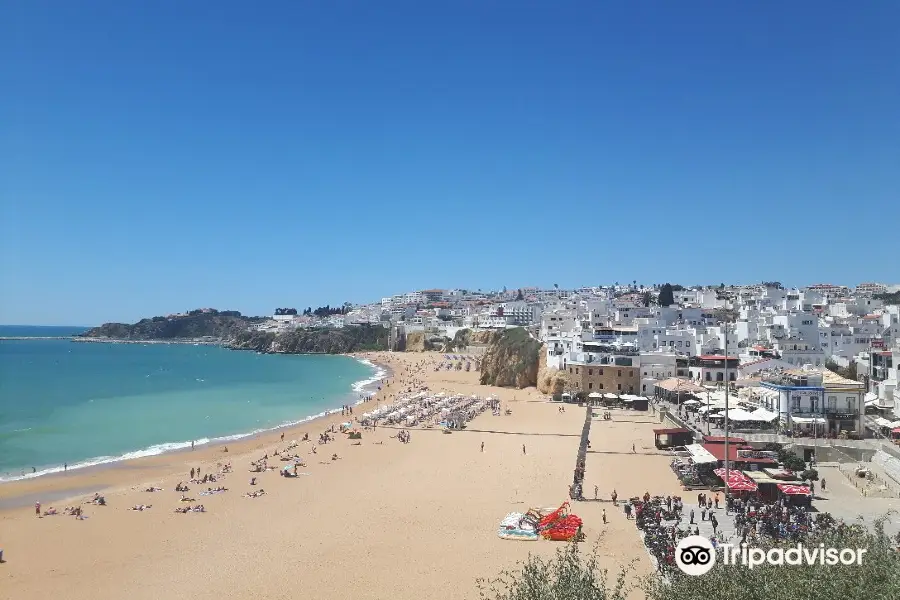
pixel 335 457
pixel 186 499
pixel 141 507
pixel 153 489
pixel 50 511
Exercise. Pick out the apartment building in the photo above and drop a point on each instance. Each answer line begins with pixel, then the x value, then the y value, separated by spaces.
pixel 605 373
pixel 814 401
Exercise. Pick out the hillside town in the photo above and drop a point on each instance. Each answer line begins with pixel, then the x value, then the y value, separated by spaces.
pixel 844 340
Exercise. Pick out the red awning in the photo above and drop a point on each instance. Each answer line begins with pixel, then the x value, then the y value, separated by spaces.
pixel 793 490
pixel 671 431
pixel 895 430
pixel 737 481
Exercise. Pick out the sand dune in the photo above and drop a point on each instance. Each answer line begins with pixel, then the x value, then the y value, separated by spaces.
pixel 393 520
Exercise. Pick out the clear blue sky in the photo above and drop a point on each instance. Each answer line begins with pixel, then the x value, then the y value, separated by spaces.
pixel 162 156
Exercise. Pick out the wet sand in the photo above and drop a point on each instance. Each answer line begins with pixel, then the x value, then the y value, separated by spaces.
pixel 414 520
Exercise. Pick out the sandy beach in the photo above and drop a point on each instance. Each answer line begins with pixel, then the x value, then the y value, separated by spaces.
pixel 386 520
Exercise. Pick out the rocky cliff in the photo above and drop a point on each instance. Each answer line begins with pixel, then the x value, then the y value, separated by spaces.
pixel 511 359
pixel 356 338
pixel 214 324
pixel 550 381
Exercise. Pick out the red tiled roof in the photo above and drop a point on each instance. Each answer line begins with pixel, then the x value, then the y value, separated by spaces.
pixel 671 430
pixel 715 357
pixel 720 439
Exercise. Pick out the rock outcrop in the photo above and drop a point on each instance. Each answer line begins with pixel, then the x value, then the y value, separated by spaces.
pixel 195 325
pixel 511 359
pixel 415 341
pixel 550 381
pixel 355 338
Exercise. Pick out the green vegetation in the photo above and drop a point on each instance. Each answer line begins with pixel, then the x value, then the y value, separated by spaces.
pixel 196 324
pixel 571 576
pixel 666 295
pixel 848 372
pixel 511 359
pixel 355 338
pixel 888 298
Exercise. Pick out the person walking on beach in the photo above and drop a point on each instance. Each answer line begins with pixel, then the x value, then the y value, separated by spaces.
pixel 482 446
pixel 523 448
pixel 282 436
pixel 615 498
pixel 823 484
pixel 37 508
pixel 604 516
pixel 66 467
pixel 192 472
pixel 596 492
pixel 192 445
pixel 632 449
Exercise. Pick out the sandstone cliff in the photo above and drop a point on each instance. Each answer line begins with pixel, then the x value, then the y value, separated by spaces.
pixel 550 381
pixel 356 338
pixel 415 341
pixel 511 359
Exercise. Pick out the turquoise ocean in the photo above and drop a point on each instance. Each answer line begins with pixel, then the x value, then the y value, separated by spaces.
pixel 93 403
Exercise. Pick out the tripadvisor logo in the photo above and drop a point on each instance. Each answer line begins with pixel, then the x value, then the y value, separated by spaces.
pixel 695 555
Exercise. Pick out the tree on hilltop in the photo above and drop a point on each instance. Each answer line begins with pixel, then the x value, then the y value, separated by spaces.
pixel 666 295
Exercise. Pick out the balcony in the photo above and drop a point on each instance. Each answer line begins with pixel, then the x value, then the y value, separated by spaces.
pixel 842 413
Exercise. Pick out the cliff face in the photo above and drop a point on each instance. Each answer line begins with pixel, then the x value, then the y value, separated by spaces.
pixel 511 359
pixel 415 341
pixel 550 381
pixel 210 324
pixel 357 338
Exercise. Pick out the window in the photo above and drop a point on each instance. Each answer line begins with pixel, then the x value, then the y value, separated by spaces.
pixel 851 403
pixel 590 371
pixel 688 344
pixel 599 371
pixel 618 386
pixel 601 386
pixel 720 376
pixel 795 403
pixel 671 342
pixel 645 387
pixel 570 370
pixel 590 386
pixel 814 403
pixel 731 376
pixel 708 376
pixel 832 402
pixel 620 373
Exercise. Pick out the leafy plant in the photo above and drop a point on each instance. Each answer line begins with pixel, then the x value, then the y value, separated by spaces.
pixel 573 576
pixel 569 575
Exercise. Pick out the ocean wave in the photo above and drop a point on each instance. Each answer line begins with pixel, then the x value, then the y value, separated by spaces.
pixel 103 460
pixel 158 449
pixel 361 385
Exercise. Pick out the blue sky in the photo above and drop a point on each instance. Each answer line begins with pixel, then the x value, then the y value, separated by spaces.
pixel 162 156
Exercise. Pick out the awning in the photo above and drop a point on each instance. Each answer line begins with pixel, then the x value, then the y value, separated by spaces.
pixel 700 455
pixel 761 414
pixel 609 396
pixel 882 422
pixel 895 430
pixel 793 490
pixel 737 481
pixel 808 420
pixel 690 402
pixel 595 395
